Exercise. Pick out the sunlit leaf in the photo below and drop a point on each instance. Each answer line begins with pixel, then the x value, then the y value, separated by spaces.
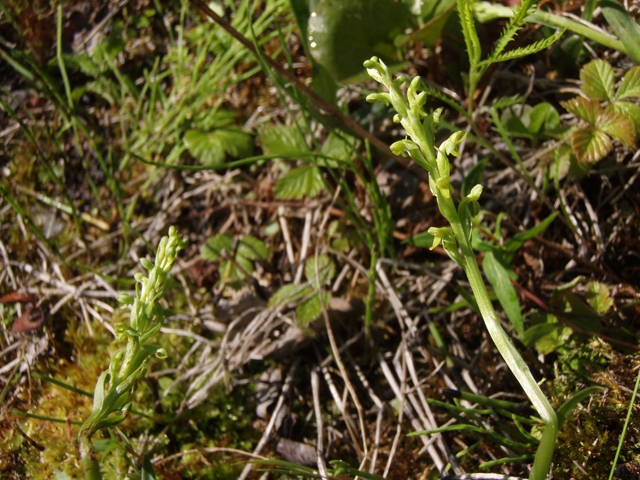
pixel 598 297
pixel 598 80
pixel 630 86
pixel 290 293
pixel 299 182
pixel 499 279
pixel 624 26
pixel 619 126
pixel 583 108
pixel 590 145
pixel 285 140
pixel 630 110
pixel 215 246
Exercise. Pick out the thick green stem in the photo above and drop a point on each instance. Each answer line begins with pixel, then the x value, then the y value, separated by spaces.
pixel 90 465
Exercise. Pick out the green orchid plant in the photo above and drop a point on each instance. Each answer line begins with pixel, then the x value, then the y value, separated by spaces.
pixel 456 238
pixel 114 388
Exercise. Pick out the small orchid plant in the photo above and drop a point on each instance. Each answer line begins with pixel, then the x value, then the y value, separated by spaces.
pixel 112 395
pixel 456 238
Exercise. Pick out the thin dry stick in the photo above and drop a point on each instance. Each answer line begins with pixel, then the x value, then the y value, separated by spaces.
pixel 306 235
pixel 315 388
pixel 317 99
pixel 267 433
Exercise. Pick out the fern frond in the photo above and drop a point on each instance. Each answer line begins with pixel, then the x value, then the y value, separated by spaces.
pixel 524 51
pixel 520 14
pixel 504 102
pixel 469 31
pixel 433 92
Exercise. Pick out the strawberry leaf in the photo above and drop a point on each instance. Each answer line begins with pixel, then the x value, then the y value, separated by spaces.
pixel 301 181
pixel 584 109
pixel 619 126
pixel 598 80
pixel 589 144
pixel 631 110
pixel 630 86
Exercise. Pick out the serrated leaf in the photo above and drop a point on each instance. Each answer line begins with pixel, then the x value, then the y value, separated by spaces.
pixel 339 147
pixel 311 309
pixel 630 86
pixel 344 33
pixel 285 140
pixel 215 246
pixel 498 277
pixel 504 102
pixel 584 109
pixel 598 297
pixel 299 182
pixel 631 110
pixel 252 248
pixel 598 80
pixel 290 293
pixel 619 126
pixel 211 148
pixel 319 272
pixel 590 145
pixel 523 51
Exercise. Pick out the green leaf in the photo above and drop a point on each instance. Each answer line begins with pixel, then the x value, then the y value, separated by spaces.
pixel 590 145
pixel 499 279
pixel 212 148
pixel 215 246
pixel 535 333
pixel 345 33
pixel 319 272
pixel 631 110
pixel 598 80
pixel 619 126
pixel 625 28
pixel 598 297
pixel 299 182
pixel 513 244
pixel 252 248
pixel 567 407
pixel 523 51
pixel 311 309
pixel 430 31
pixel 147 472
pixel 284 140
pixel 422 240
pixel 584 109
pixel 473 178
pixel 543 118
pixel 339 147
pixel 290 293
pixel 630 86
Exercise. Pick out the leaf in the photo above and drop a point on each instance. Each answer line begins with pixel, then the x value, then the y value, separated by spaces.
pixel 290 293
pixel 568 406
pixel 630 86
pixel 629 109
pixel 469 32
pixel 147 473
pixel 429 33
pixel 473 178
pixel 590 145
pixel 619 126
pixel 212 148
pixel 319 272
pixel 252 248
pixel 625 28
pixel 499 279
pixel 215 246
pixel 504 102
pixel 543 118
pixel 284 140
pixel 339 147
pixel 344 33
pixel 523 51
pixel 598 80
pixel 299 182
pixel 598 297
pixel 535 333
pixel 311 309
pixel 513 244
pixel 422 240
pixel 584 109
